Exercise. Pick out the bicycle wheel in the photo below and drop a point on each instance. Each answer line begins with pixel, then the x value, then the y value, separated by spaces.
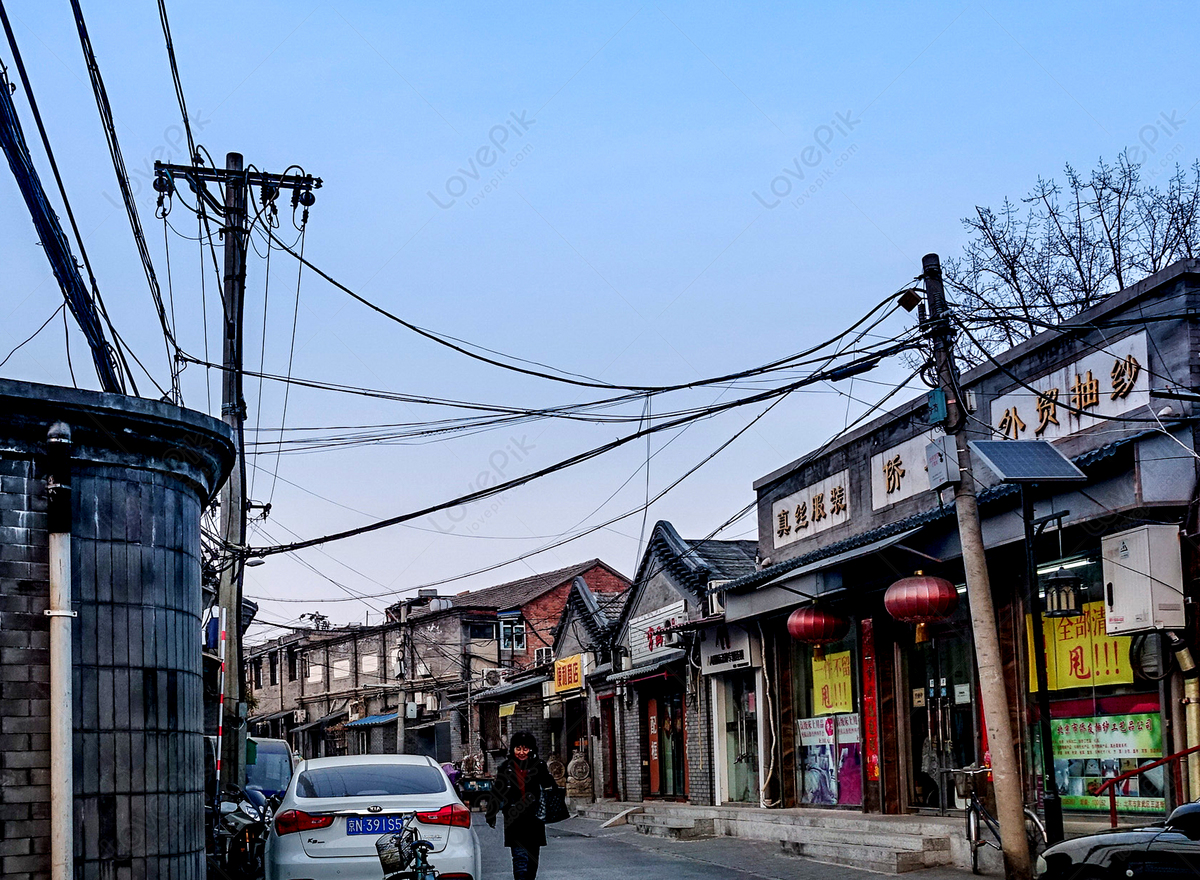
pixel 973 837
pixel 1035 833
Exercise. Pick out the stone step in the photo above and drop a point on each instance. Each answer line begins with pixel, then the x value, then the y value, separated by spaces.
pixel 853 837
pixel 882 859
pixel 671 827
pixel 816 819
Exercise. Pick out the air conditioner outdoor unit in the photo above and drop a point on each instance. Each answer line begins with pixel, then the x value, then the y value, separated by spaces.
pixel 716 601
pixel 492 677
pixel 673 640
pixel 542 656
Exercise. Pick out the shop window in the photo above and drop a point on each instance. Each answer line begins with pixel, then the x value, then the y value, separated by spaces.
pixel 512 635
pixel 1107 717
pixel 829 767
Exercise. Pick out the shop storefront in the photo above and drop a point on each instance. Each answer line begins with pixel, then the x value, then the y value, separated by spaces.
pixel 565 703
pixel 1105 703
pixel 876 717
pixel 825 700
pixel 731 660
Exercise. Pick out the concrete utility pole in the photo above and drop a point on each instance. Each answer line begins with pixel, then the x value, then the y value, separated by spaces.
pixel 1006 771
pixel 236 182
pixel 233 495
pixel 402 678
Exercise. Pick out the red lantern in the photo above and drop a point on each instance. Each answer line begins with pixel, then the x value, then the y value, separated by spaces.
pixel 921 599
pixel 818 627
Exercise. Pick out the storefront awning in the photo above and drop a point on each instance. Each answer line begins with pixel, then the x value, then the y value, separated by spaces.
pixel 786 590
pixel 489 696
pixel 274 716
pixel 373 720
pixel 321 722
pixel 667 658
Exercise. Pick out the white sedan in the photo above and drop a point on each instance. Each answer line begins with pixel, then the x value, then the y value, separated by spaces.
pixel 335 809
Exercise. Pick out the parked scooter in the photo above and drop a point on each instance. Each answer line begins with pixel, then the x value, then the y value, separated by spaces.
pixel 242 830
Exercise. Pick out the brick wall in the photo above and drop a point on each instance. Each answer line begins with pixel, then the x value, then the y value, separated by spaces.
pixel 543 613
pixel 699 743
pixel 629 743
pixel 24 675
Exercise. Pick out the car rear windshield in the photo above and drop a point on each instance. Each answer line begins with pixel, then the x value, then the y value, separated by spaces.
pixel 370 779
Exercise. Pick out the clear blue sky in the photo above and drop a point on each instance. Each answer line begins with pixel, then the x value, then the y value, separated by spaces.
pixel 636 238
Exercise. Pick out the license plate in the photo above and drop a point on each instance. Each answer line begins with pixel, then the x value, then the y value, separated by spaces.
pixel 374 824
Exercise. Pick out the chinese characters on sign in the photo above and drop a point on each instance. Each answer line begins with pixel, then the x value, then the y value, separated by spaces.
pixel 1079 653
pixel 647 632
pixel 568 673
pixel 812 510
pixel 832 692
pixel 1090 750
pixel 1105 383
pixel 893 471
pixel 900 471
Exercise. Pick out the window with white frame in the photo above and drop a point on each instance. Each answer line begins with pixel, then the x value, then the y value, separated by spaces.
pixel 341 668
pixel 313 667
pixel 370 662
pixel 512 634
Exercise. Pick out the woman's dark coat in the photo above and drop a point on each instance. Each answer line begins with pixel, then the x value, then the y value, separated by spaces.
pixel 522 827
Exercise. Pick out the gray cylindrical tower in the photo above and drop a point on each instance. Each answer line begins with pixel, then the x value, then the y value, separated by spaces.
pixel 141 472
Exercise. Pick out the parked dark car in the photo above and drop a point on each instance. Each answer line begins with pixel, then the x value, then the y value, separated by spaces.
pixel 1171 850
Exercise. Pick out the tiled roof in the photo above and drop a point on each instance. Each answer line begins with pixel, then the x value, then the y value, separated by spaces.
pixel 514 594
pixel 727 559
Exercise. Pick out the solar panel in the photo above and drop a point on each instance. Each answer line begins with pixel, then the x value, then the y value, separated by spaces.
pixel 1026 461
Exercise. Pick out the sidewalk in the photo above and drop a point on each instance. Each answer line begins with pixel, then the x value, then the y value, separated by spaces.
pixel 727 856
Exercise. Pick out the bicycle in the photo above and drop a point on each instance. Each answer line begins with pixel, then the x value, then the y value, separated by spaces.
pixel 978 817
pixel 405 855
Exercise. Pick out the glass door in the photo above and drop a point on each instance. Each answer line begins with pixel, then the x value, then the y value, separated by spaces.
pixel 741 736
pixel 941 701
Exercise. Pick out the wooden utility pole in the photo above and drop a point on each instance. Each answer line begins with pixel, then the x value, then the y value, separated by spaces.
pixel 233 495
pixel 236 182
pixel 1006 771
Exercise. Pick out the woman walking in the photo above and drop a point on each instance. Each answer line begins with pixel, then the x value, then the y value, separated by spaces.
pixel 517 790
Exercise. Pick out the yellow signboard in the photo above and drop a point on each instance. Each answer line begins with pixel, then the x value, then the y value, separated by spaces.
pixel 1079 653
pixel 568 673
pixel 832 690
pixel 507 709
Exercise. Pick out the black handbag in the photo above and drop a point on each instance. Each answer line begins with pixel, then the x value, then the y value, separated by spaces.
pixel 553 805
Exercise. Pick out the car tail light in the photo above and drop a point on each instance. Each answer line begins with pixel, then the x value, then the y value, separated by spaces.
pixel 291 821
pixel 451 814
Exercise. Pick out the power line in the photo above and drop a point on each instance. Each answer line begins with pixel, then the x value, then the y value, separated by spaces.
pixel 114 149
pixel 460 346
pixel 62 190
pixel 30 338
pixel 564 463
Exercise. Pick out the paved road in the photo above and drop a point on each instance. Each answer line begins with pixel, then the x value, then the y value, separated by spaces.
pixel 580 850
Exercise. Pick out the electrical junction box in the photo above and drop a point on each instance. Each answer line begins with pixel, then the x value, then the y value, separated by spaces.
pixel 936 401
pixel 410 710
pixel 1143 580
pixel 941 461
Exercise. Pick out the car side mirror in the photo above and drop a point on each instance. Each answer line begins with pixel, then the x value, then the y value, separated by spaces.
pixel 1185 820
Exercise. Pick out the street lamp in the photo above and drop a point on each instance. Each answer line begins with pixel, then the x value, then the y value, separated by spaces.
pixel 1026 462
pixel 1062 594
